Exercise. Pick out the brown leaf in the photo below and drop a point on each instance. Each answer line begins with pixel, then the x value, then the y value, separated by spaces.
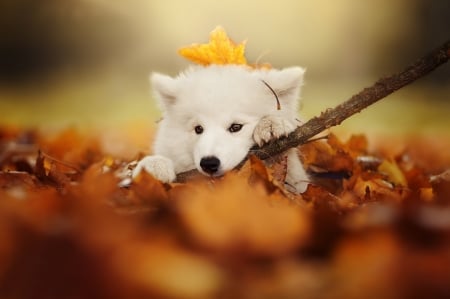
pixel 148 190
pixel 47 171
pixel 231 216
pixel 330 156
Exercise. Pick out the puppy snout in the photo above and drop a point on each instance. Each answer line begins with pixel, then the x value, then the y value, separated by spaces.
pixel 210 164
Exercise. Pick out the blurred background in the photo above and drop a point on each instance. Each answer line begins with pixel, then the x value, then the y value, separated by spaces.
pixel 86 62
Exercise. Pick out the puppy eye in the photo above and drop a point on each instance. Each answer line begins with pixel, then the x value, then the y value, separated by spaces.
pixel 198 129
pixel 235 128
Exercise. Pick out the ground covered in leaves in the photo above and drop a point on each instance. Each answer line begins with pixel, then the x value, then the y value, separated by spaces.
pixel 374 224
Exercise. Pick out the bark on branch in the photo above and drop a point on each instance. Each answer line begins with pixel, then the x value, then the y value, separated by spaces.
pixel 333 117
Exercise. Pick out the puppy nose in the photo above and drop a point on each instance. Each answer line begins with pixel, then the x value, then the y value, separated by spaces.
pixel 210 164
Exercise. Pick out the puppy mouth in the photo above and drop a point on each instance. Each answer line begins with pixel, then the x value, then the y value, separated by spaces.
pixel 215 174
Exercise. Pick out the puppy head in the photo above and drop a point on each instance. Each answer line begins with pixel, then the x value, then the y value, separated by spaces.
pixel 214 110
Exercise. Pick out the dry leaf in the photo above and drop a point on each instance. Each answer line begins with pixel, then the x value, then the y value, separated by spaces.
pixel 231 216
pixel 393 172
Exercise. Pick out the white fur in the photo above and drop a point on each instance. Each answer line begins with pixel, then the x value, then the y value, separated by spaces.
pixel 215 97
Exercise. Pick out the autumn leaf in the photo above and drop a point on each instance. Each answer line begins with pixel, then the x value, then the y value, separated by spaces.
pixel 393 172
pixel 220 50
pixel 230 216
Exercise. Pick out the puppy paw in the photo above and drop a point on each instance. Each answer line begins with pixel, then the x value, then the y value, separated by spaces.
pixel 298 187
pixel 158 166
pixel 272 127
pixel 297 180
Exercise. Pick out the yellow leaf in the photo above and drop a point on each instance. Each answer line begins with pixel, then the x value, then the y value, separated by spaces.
pixel 393 172
pixel 219 50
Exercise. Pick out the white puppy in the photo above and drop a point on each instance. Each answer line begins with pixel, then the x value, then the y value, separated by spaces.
pixel 213 115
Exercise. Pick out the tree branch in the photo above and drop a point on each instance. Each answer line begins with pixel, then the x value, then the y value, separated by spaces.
pixel 333 117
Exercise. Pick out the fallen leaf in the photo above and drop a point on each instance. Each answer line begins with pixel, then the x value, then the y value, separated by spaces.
pixel 393 173
pixel 231 216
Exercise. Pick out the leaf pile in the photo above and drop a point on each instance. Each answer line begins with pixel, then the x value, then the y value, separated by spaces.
pixel 374 224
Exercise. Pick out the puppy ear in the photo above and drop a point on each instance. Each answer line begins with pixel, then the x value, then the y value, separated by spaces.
pixel 164 88
pixel 286 82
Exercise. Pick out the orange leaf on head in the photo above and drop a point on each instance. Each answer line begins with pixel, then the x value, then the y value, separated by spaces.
pixel 219 50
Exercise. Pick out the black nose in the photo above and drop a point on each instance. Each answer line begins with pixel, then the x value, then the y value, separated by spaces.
pixel 210 164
